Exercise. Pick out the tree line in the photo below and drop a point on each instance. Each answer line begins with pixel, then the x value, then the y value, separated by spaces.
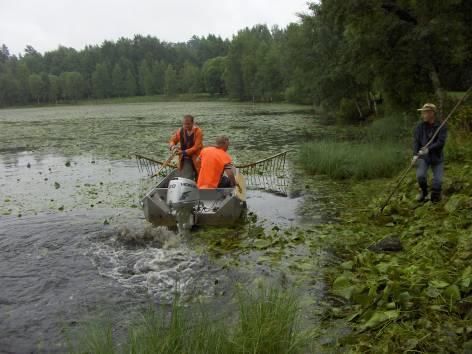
pixel 343 55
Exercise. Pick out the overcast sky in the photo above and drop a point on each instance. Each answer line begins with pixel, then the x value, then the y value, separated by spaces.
pixel 74 23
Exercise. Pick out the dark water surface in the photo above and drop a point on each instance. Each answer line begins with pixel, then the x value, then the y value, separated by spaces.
pixel 57 268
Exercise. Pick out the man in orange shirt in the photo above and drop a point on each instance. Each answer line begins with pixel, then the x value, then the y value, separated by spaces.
pixel 215 163
pixel 187 142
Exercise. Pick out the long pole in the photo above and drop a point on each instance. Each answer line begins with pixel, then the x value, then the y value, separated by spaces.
pixel 165 164
pixel 413 161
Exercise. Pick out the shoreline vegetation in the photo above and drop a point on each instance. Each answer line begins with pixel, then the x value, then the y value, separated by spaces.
pixel 187 97
pixel 403 277
pixel 196 97
pixel 267 320
pixel 417 297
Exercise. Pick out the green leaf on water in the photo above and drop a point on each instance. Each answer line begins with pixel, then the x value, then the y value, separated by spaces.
pixel 440 284
pixel 412 343
pixel 342 287
pixel 432 292
pixel 262 243
pixel 452 293
pixel 466 279
pixel 303 266
pixel 265 259
pixel 347 265
pixel 379 317
pixel 382 267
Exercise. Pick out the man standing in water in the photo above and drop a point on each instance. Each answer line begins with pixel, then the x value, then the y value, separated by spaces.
pixel 187 142
pixel 432 156
pixel 216 170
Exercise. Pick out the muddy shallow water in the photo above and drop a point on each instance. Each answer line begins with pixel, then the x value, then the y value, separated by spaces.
pixel 73 239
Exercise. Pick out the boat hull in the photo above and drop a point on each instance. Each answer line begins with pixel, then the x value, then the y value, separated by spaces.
pixel 219 206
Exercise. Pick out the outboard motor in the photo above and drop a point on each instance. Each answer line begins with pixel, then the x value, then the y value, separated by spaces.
pixel 182 197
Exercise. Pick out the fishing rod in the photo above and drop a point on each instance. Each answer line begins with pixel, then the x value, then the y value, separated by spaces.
pixel 413 161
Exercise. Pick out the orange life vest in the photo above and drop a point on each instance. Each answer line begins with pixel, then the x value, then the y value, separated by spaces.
pixel 192 148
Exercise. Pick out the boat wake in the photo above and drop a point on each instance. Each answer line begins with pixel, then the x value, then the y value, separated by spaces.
pixel 155 261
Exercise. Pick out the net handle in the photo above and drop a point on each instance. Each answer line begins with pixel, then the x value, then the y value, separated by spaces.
pixel 252 164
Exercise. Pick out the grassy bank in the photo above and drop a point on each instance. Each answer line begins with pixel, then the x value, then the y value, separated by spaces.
pixel 341 160
pixel 266 322
pixel 377 150
pixel 417 299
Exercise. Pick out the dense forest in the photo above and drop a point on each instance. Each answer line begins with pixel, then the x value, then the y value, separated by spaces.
pixel 343 55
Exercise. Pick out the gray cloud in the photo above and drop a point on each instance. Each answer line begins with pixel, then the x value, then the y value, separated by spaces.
pixel 49 23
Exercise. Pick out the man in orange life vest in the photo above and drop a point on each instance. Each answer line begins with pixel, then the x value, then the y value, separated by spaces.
pixel 216 169
pixel 187 142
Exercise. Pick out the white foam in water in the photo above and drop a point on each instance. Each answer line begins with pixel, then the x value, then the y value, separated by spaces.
pixel 155 261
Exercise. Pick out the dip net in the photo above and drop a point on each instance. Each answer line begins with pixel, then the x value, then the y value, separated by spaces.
pixel 269 174
pixel 150 166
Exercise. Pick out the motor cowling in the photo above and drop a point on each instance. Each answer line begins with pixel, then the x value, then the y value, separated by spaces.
pixel 182 193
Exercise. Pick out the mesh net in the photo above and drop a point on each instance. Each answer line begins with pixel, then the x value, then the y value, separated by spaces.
pixel 268 174
pixel 150 166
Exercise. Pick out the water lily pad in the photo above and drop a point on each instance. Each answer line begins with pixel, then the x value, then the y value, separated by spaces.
pixel 452 293
pixel 432 292
pixel 342 287
pixel 438 284
pixel 456 202
pixel 379 317
pixel 262 243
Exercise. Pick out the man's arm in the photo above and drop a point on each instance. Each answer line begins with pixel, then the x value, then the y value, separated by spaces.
pixel 174 139
pixel 416 140
pixel 229 170
pixel 441 141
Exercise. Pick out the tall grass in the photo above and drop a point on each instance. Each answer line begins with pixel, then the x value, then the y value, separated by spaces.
pixel 341 160
pixel 96 338
pixel 378 150
pixel 179 332
pixel 394 127
pixel 267 322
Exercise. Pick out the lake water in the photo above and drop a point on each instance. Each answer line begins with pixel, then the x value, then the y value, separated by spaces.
pixel 73 240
